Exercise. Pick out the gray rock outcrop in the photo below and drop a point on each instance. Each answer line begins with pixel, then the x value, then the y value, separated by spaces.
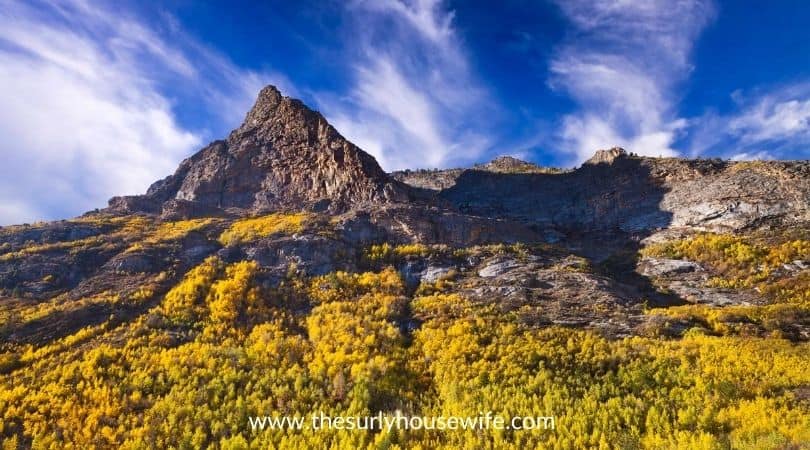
pixel 284 155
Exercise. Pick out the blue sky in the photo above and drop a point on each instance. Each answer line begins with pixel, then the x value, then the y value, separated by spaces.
pixel 102 98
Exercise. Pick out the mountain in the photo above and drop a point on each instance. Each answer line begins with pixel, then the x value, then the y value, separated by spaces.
pixel 287 157
pixel 284 155
pixel 642 302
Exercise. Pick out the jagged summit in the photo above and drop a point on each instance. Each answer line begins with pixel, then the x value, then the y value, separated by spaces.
pixel 284 155
pixel 607 156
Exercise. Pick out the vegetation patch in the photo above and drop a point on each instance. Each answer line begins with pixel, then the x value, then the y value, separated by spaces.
pixel 246 230
pixel 387 253
pixel 220 348
pixel 172 231
pixel 739 262
pixel 746 263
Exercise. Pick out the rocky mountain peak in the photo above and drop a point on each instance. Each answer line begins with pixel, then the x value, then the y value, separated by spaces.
pixel 606 156
pixel 284 156
pixel 266 104
pixel 264 110
pixel 274 115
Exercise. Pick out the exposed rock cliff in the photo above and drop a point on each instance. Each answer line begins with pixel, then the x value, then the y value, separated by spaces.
pixel 283 156
pixel 606 156
pixel 637 194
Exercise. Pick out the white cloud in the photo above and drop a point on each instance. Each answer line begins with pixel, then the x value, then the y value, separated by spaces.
pixel 764 125
pixel 744 156
pixel 415 101
pixel 385 92
pixel 772 119
pixel 622 63
pixel 84 112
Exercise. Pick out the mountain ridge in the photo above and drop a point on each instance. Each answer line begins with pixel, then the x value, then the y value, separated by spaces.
pixel 310 199
pixel 284 155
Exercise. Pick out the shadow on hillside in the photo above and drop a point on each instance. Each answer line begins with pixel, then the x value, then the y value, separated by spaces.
pixel 602 210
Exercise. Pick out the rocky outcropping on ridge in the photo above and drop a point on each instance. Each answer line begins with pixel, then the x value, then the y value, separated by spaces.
pixel 283 156
pixel 606 156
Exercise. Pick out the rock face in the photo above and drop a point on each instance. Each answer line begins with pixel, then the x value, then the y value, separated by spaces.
pixel 741 195
pixel 606 156
pixel 621 195
pixel 657 267
pixel 498 267
pixel 636 194
pixel 284 155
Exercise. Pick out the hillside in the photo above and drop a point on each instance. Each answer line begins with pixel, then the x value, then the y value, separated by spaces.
pixel 642 302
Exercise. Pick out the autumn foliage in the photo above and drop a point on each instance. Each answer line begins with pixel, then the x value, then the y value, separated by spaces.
pixel 220 347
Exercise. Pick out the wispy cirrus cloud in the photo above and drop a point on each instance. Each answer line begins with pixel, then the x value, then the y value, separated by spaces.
pixel 621 63
pixel 764 124
pixel 415 101
pixel 86 110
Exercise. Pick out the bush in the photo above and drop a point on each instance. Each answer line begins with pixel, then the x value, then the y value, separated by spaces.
pixel 9 362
